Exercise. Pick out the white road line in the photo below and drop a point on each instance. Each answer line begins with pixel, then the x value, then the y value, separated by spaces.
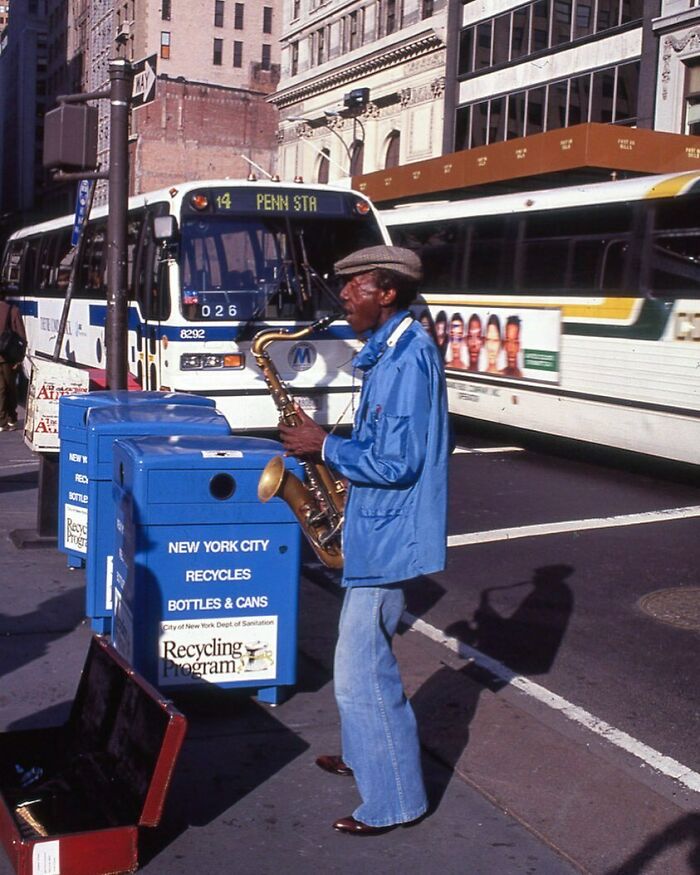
pixel 658 761
pixel 478 450
pixel 633 519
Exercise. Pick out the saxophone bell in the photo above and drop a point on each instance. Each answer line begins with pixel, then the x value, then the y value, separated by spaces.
pixel 323 536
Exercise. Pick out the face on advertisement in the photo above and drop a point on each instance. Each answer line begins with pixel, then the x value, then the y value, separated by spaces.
pixel 493 343
pixel 456 339
pixel 512 343
pixel 474 341
pixel 441 328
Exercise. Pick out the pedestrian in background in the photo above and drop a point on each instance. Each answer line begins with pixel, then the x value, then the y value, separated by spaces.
pixel 394 529
pixel 10 320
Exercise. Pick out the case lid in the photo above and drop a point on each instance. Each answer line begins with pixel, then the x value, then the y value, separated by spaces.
pixel 119 716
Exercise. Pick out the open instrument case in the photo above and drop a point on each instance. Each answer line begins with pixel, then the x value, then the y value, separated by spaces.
pixel 72 797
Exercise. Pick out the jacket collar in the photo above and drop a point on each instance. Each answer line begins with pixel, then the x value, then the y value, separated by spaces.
pixel 379 341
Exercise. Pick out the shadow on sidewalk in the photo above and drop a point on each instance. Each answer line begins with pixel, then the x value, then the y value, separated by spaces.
pixel 27 637
pixel 233 746
pixel 18 482
pixel 684 830
pixel 526 642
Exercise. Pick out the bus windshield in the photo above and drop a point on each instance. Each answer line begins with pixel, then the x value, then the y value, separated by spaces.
pixel 275 266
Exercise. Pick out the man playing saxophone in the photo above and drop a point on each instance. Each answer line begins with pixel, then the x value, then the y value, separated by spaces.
pixel 395 528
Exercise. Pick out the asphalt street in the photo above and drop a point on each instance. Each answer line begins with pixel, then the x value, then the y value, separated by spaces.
pixel 516 785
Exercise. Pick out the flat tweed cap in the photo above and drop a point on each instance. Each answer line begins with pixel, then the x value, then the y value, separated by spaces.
pixel 401 261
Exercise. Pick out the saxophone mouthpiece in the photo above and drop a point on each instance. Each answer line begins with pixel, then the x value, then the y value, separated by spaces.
pixel 326 321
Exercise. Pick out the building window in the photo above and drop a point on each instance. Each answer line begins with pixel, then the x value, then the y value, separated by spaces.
pixel 218 13
pixel 357 157
pixel 324 166
pixel 321 46
pixel 238 16
pixel 536 27
pixel 266 61
pixel 165 10
pixel 391 16
pixel 294 66
pixel 267 19
pixel 426 8
pixel 353 30
pixel 608 96
pixel 165 44
pixel 296 9
pixel 393 148
pixel 561 22
pixel 218 52
pixel 237 53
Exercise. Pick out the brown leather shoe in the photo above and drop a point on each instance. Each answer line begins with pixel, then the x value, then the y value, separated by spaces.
pixel 356 828
pixel 334 765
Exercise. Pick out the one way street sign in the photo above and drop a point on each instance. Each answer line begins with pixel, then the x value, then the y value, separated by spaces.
pixel 144 90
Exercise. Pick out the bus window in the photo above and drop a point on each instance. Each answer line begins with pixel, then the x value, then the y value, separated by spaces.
pixel 62 261
pixel 150 279
pixel 613 268
pixel 29 264
pixel 675 263
pixel 441 247
pixel 545 264
pixel 240 268
pixel 92 274
pixel 487 268
pixel 133 230
pixel 55 258
pixel 12 265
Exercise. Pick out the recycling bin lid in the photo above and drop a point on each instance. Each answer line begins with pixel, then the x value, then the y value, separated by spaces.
pixel 201 480
pixel 105 424
pixel 73 409
pixel 201 451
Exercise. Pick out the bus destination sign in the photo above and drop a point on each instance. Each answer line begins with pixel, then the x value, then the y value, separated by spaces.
pixel 277 202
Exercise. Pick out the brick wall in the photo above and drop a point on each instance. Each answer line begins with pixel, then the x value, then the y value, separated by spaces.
pixel 193 131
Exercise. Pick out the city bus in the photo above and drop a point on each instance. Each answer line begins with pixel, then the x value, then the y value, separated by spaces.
pixel 572 312
pixel 239 257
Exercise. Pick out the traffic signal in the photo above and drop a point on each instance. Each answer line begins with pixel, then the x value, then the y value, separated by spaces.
pixel 358 98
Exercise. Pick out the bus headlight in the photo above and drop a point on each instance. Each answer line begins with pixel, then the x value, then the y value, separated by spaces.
pixel 198 361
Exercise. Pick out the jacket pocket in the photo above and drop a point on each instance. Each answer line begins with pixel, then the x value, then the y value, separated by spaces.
pixel 392 439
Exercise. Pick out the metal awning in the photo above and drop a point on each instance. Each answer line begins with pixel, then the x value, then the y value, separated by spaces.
pixel 583 153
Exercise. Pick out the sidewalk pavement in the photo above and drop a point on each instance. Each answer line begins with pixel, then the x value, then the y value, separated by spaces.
pixel 246 794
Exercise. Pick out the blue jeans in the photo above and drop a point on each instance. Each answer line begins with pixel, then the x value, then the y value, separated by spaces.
pixel 378 727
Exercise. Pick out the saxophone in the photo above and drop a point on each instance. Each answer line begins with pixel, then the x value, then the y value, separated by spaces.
pixel 318 504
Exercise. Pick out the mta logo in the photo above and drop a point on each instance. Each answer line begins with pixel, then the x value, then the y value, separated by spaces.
pixel 302 356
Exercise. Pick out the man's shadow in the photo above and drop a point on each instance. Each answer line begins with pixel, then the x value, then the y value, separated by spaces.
pixel 526 642
pixel 684 830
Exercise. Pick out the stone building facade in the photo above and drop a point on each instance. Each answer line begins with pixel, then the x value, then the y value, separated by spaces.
pixel 362 85
pixel 678 91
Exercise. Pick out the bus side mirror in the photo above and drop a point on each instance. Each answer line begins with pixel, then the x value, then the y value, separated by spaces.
pixel 164 228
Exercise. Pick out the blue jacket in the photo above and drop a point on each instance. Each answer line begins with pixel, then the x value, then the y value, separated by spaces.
pixel 396 460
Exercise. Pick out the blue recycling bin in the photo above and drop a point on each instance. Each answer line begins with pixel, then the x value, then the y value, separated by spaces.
pixel 104 426
pixel 206 577
pixel 73 507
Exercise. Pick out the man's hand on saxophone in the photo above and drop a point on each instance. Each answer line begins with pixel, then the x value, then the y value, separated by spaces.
pixel 304 439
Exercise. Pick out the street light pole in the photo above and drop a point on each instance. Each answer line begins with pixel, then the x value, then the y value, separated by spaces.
pixel 307 121
pixel 116 323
